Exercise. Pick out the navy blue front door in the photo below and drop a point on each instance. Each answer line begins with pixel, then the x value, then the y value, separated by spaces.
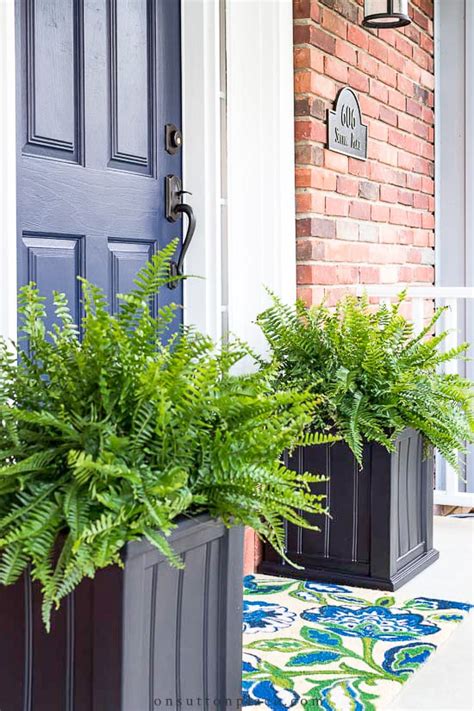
pixel 97 82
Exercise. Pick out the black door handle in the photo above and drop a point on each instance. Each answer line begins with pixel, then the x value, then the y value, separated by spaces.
pixel 174 208
pixel 176 267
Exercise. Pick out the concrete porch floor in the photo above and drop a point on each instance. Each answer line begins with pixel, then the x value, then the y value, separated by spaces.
pixel 446 683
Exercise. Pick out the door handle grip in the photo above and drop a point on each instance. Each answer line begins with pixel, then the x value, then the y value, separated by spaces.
pixel 176 267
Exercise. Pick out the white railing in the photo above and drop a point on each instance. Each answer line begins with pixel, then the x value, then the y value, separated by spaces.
pixel 458 319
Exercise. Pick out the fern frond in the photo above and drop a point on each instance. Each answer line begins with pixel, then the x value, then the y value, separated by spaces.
pixel 113 428
pixel 369 375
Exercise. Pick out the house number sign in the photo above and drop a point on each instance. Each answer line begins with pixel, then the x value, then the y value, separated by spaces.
pixel 346 132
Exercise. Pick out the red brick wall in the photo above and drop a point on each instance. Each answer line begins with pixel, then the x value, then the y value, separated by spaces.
pixel 362 222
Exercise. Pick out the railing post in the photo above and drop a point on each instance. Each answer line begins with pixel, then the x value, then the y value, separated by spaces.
pixel 418 313
pixel 447 489
pixel 451 325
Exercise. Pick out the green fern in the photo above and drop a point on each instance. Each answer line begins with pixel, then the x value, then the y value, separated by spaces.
pixel 111 430
pixel 369 374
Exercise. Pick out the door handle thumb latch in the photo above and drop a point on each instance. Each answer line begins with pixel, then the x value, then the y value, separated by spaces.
pixel 174 208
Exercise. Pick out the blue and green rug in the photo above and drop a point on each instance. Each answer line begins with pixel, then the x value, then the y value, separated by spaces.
pixel 320 646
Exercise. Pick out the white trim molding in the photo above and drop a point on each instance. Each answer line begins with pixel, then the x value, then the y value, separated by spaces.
pixel 261 192
pixel 454 107
pixel 201 52
pixel 454 170
pixel 8 285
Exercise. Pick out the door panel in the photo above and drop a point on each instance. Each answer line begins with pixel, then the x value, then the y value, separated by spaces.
pixel 126 258
pixel 98 81
pixel 132 82
pixel 53 91
pixel 58 259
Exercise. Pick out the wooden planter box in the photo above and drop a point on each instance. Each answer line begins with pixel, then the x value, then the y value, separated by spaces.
pixel 134 639
pixel 381 531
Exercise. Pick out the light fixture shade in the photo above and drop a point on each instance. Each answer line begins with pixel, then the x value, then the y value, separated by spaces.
pixel 380 14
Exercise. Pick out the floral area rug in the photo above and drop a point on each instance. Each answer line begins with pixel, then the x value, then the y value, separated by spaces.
pixel 321 646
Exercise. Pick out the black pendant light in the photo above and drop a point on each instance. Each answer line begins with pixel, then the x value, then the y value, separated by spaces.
pixel 382 14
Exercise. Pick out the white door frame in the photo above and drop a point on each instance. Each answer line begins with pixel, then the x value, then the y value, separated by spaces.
pixel 255 176
pixel 202 170
pixel 8 286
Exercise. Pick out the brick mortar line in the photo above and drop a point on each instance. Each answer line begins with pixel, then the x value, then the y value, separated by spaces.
pixel 333 171
pixel 302 70
pixel 378 161
pixel 364 265
pixel 380 142
pixel 305 117
pixel 351 220
pixel 363 200
pixel 309 21
pixel 424 87
pixel 357 48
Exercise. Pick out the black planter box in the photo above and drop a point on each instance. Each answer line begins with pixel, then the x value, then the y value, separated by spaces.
pixel 380 533
pixel 137 639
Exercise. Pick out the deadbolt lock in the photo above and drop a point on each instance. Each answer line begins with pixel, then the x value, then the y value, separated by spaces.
pixel 173 138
